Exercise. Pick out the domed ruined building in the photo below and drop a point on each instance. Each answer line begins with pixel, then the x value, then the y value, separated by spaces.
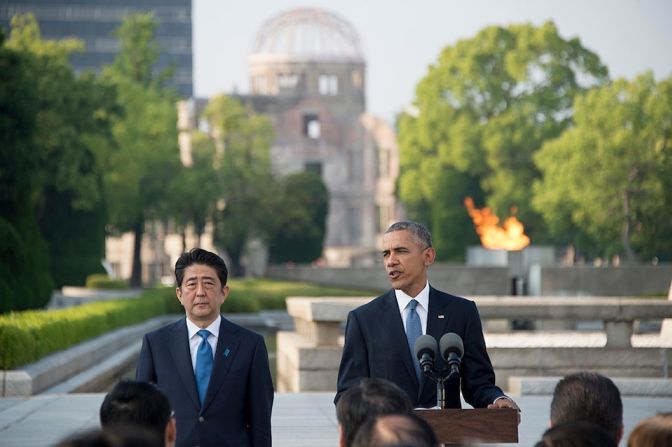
pixel 308 74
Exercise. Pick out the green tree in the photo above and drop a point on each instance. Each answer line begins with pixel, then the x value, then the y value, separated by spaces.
pixel 147 157
pixel 194 190
pixel 72 134
pixel 243 140
pixel 479 115
pixel 25 280
pixel 301 223
pixel 608 180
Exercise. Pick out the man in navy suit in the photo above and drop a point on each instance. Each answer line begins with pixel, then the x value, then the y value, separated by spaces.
pixel 218 382
pixel 376 342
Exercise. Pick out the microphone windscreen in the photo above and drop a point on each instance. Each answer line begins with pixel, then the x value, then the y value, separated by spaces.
pixel 451 342
pixel 425 344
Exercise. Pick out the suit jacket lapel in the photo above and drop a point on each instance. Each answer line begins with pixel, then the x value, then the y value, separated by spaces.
pixel 397 334
pixel 179 350
pixel 227 347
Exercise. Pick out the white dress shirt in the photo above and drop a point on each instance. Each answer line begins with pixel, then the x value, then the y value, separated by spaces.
pixel 195 339
pixel 422 308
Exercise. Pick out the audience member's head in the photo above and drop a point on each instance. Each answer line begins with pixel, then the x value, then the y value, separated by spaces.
pixel 139 404
pixel 369 399
pixel 577 434
pixel 120 437
pixel 590 397
pixel 655 431
pixel 395 430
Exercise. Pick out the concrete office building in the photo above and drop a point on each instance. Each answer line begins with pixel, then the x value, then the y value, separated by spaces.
pixel 94 22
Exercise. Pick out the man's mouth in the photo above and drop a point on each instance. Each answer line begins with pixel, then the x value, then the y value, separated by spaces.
pixel 394 274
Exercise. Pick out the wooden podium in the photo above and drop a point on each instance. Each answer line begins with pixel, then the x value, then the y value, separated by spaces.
pixel 481 426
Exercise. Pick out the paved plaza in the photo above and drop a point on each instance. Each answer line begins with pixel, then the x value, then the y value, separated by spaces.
pixel 299 420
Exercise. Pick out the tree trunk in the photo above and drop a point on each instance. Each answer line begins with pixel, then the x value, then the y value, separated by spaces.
pixel 183 234
pixel 136 269
pixel 630 256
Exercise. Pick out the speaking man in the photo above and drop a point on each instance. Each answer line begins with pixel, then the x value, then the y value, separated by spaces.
pixel 215 373
pixel 379 336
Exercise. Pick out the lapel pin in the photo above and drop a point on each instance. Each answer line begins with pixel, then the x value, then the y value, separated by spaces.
pixel 440 316
pixel 226 352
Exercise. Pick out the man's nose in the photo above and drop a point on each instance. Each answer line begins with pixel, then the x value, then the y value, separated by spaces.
pixel 200 289
pixel 391 259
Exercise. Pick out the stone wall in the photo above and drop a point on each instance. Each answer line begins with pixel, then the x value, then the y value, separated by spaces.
pixel 600 281
pixel 478 280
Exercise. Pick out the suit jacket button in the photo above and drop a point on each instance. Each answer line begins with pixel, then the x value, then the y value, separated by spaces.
pixel 201 419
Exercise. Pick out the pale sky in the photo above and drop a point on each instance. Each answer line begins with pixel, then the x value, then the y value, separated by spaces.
pixel 401 38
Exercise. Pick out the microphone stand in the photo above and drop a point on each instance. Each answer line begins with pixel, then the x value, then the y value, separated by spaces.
pixel 440 378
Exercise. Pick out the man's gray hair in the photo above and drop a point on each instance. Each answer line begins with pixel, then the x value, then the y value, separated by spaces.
pixel 420 233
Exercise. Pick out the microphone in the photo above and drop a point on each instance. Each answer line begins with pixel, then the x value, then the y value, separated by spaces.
pixel 452 349
pixel 425 349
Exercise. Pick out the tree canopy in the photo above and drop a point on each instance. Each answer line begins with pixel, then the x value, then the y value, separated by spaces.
pixel 301 221
pixel 607 181
pixel 477 119
pixel 243 139
pixel 71 133
pixel 138 173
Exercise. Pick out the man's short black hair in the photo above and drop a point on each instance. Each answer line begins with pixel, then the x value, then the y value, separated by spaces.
pixel 408 430
pixel 588 396
pixel 203 257
pixel 136 404
pixel 577 434
pixel 123 437
pixel 371 398
pixel 419 232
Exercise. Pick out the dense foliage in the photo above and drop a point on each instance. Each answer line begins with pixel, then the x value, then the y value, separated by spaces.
pixel 301 220
pixel 479 116
pixel 607 181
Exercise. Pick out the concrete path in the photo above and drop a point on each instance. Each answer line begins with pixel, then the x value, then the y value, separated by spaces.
pixel 299 420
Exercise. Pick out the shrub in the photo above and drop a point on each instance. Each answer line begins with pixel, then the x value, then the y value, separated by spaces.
pixel 28 336
pixel 101 281
pixel 25 282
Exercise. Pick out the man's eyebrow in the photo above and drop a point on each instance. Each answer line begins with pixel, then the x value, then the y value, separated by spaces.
pixel 194 278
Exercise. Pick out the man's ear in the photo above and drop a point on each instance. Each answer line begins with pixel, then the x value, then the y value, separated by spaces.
pixel 619 434
pixel 225 292
pixel 429 256
pixel 341 436
pixel 178 293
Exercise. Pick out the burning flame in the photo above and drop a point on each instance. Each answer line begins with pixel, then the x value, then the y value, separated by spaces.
pixel 510 236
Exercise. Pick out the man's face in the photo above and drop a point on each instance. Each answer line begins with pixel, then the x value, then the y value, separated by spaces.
pixel 406 261
pixel 202 294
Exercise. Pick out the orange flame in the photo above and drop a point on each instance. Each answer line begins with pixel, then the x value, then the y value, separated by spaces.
pixel 510 236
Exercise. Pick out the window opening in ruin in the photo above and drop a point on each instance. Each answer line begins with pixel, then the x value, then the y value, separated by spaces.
pixel 314 167
pixel 357 80
pixel 288 80
pixel 328 85
pixel 311 126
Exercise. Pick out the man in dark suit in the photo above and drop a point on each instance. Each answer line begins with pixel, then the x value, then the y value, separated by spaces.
pixel 379 335
pixel 215 373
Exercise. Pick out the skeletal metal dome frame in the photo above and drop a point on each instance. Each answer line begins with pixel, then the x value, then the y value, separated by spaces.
pixel 308 33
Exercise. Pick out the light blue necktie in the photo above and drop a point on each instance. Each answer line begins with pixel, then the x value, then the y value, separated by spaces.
pixel 203 364
pixel 413 331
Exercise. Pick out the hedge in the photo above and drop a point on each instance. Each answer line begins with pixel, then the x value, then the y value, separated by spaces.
pixel 30 335
pixel 102 281
pixel 27 336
